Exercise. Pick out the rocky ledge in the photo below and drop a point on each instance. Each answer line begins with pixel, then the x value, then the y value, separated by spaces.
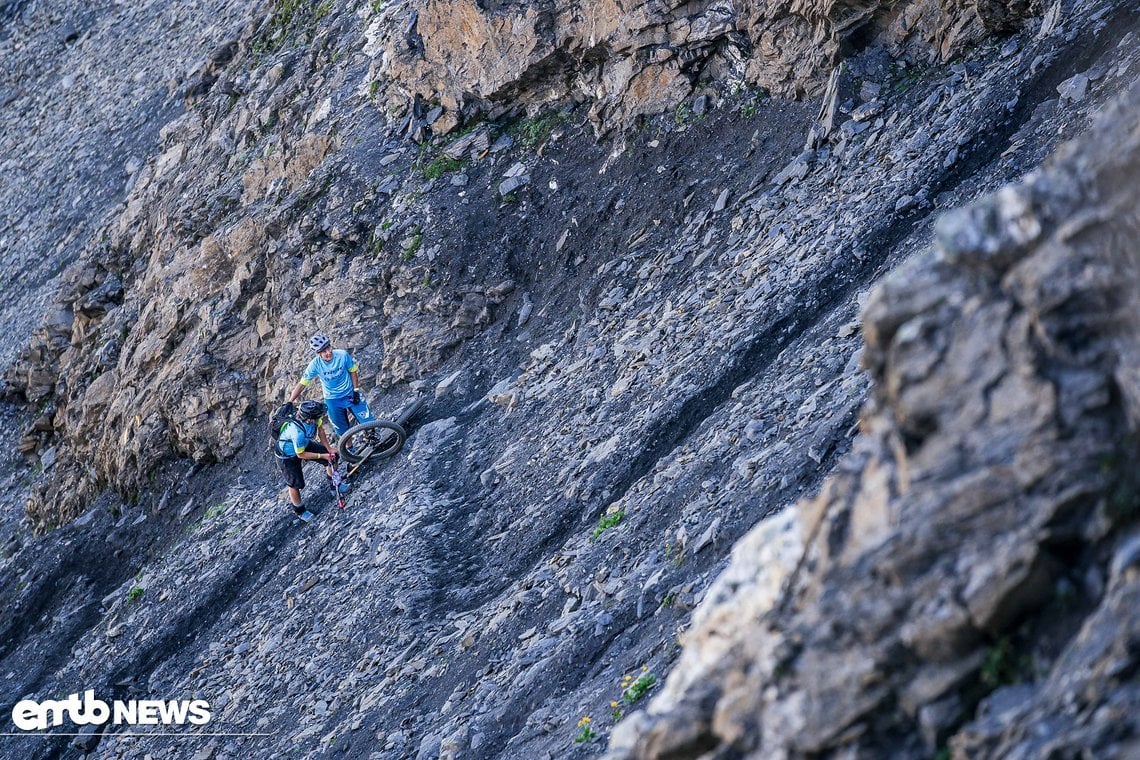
pixel 640 58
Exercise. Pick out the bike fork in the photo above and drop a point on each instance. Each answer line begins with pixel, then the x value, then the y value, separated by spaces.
pixel 335 480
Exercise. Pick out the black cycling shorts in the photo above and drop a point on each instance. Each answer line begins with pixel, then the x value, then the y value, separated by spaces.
pixel 291 468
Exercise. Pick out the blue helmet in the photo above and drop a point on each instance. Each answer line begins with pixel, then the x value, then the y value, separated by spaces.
pixel 319 343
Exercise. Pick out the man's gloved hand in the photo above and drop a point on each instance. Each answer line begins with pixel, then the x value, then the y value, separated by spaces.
pixel 356 395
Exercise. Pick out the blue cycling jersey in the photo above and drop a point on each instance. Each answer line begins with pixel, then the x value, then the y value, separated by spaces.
pixel 334 374
pixel 295 436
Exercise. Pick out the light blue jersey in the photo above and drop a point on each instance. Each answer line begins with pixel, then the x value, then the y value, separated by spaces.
pixel 334 374
pixel 295 436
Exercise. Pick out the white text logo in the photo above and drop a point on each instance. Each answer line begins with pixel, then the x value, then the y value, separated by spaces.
pixel 29 715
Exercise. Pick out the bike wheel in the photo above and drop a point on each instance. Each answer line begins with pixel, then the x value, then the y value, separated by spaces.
pixel 410 412
pixel 378 438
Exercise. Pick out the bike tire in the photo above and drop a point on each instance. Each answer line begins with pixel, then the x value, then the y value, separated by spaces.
pixel 410 412
pixel 390 448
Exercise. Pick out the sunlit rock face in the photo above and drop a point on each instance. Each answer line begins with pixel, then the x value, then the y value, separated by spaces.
pixel 628 59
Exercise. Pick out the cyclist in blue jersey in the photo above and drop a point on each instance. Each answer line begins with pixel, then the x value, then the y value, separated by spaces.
pixel 338 373
pixel 303 438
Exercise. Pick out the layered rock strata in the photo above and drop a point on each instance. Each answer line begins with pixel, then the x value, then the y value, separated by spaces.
pixel 664 327
pixel 79 114
pixel 629 59
pixel 983 532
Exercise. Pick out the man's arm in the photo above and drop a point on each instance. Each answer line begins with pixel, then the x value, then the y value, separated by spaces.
pixel 325 439
pixel 314 455
pixel 298 389
pixel 299 447
pixel 306 379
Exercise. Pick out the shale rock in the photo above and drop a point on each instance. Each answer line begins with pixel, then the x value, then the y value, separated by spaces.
pixel 688 369
pixel 1001 428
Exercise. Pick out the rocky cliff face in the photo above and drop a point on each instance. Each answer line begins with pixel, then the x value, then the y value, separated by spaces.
pixel 962 581
pixel 631 59
pixel 266 142
pixel 634 351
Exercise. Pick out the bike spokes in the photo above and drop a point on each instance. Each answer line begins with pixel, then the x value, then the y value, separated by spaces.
pixel 379 438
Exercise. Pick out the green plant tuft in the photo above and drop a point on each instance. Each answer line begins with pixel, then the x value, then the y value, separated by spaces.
pixel 904 77
pixel 534 131
pixel 413 245
pixel 617 711
pixel 440 166
pixel 1002 666
pixel 285 17
pixel 682 114
pixel 586 733
pixel 609 519
pixel 751 104
pixel 634 689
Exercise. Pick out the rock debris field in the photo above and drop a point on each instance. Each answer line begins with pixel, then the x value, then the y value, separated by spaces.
pixel 754 425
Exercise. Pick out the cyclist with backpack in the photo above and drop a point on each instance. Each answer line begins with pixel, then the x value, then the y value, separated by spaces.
pixel 295 443
pixel 337 370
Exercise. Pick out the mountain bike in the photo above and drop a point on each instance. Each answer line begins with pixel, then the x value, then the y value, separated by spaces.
pixel 378 439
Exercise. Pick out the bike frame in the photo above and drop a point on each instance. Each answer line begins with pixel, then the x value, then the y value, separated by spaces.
pixel 402 418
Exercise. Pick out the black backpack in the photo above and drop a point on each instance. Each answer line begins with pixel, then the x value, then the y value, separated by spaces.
pixel 280 418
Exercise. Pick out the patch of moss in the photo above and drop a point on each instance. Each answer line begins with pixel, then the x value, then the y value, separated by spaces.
pixel 534 131
pixel 440 166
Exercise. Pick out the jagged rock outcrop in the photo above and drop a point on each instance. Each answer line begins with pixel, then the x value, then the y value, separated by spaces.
pixel 629 59
pixel 79 112
pixel 982 532
pixel 169 330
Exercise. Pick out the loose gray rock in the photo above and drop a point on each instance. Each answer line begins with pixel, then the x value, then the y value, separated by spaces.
pixel 1074 88
pixel 511 184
